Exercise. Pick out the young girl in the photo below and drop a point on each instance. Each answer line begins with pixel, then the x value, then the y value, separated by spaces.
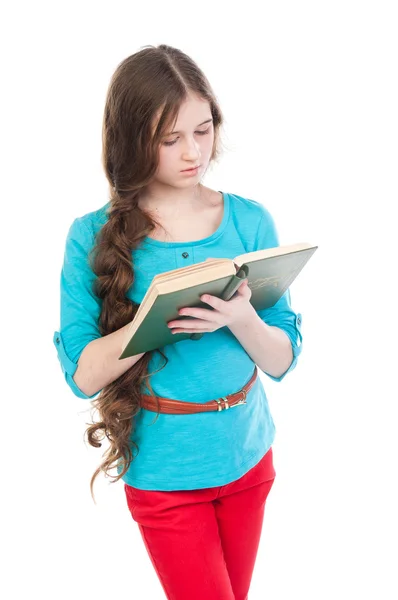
pixel 196 481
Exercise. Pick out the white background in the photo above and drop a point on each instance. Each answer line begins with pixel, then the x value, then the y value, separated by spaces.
pixel 309 94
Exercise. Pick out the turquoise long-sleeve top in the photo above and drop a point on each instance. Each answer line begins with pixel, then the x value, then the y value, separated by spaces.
pixel 193 451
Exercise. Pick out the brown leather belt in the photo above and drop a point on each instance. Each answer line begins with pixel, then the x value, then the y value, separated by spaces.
pixel 177 407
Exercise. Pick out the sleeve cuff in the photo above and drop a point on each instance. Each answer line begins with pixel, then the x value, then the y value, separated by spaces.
pixel 296 347
pixel 68 367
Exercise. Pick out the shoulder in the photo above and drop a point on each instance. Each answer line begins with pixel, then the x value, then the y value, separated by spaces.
pixel 254 223
pixel 84 228
pixel 247 207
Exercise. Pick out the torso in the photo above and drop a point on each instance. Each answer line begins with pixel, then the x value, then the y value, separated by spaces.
pixel 195 226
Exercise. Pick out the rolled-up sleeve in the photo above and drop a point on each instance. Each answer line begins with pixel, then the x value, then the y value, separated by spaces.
pixel 80 308
pixel 280 315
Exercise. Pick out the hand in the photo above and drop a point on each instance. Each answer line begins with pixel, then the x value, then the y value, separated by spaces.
pixel 225 313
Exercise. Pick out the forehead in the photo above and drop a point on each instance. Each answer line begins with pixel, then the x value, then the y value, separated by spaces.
pixel 192 111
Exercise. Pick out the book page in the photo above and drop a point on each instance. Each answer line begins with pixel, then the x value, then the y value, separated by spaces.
pixel 182 271
pixel 215 271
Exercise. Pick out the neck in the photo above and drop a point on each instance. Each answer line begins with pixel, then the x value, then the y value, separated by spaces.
pixel 167 201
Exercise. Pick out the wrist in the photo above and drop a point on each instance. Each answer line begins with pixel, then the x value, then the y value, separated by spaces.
pixel 245 319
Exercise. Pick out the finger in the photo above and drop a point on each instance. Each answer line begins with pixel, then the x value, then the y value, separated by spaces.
pixel 190 331
pixel 192 323
pixel 244 289
pixel 199 313
pixel 213 301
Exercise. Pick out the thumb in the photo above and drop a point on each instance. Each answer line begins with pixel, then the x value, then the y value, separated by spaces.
pixel 244 287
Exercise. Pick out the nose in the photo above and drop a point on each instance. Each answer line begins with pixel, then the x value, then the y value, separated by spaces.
pixel 191 150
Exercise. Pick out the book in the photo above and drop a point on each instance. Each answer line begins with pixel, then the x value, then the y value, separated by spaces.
pixel 269 273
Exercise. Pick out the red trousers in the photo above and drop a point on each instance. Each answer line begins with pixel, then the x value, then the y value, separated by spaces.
pixel 203 543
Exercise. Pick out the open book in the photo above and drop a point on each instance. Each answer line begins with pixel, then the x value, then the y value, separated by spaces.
pixel 269 273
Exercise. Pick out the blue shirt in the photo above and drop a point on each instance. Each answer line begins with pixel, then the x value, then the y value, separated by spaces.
pixel 182 452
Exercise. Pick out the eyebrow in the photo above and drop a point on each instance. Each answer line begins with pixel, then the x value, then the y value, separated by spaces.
pixel 204 122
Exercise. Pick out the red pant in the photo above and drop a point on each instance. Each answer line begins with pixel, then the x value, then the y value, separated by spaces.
pixel 203 543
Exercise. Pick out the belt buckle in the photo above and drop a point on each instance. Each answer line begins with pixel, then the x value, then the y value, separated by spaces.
pixel 243 401
pixel 226 405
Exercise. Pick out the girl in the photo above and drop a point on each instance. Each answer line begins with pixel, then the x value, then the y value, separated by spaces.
pixel 196 481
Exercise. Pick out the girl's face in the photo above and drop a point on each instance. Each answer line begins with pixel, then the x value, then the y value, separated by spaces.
pixel 189 144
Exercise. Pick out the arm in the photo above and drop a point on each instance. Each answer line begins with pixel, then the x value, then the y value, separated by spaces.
pixel 268 346
pixel 88 360
pixel 275 326
pixel 99 362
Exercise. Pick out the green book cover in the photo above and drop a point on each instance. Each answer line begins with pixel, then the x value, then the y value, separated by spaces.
pixel 269 273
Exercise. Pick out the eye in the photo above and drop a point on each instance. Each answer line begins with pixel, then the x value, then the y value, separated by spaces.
pixel 203 132
pixel 198 132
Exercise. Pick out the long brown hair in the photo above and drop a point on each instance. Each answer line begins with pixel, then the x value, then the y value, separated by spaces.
pixel 154 81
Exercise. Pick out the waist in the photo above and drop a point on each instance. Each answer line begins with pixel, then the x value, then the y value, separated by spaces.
pixel 171 406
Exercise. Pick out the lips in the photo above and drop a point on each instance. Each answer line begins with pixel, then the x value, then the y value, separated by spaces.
pixel 191 169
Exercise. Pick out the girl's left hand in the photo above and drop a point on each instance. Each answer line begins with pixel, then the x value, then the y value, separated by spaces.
pixel 228 313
